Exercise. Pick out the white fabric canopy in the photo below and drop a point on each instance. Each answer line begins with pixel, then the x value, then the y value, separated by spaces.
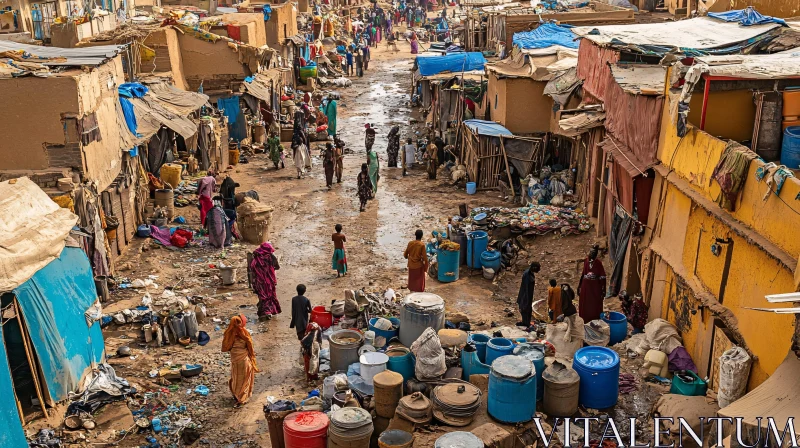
pixel 33 230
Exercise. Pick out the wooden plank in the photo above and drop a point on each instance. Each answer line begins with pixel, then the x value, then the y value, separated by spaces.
pixel 720 342
pixel 31 361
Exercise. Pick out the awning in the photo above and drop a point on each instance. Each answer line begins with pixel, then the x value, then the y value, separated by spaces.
pixel 580 123
pixel 297 39
pixel 262 84
pixel 640 79
pixel 33 235
pixel 776 397
pixel 489 128
pixel 148 109
pixel 625 157
pixel 177 100
pixel 454 63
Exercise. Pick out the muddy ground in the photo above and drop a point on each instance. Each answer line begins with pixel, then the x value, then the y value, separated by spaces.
pixel 305 212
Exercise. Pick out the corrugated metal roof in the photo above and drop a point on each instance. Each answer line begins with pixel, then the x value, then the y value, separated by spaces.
pixel 75 57
pixel 698 33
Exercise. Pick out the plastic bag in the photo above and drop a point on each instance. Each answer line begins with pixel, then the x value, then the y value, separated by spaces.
pixel 734 371
pixel 190 322
pixel 428 350
pixel 662 336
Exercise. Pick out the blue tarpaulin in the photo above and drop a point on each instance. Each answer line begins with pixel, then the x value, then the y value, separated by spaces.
pixel 546 35
pixel 488 128
pixel 53 304
pixel 12 434
pixel 746 17
pixel 457 62
pixel 130 117
pixel 229 108
pixel 132 90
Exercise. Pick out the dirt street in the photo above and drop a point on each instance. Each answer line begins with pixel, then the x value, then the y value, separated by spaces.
pixel 305 212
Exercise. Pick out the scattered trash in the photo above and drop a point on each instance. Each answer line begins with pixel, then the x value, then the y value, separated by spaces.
pixel 201 390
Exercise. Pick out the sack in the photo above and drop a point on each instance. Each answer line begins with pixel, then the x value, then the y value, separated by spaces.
pixel 428 350
pixel 662 336
pixel 597 333
pixel 734 371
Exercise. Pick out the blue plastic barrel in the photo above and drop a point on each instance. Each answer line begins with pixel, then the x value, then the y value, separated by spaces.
pixel 618 325
pixel 598 368
pixel 472 187
pixel 497 347
pixel 491 259
pixel 388 334
pixel 471 365
pixel 790 149
pixel 477 241
pixel 535 355
pixel 448 265
pixel 479 340
pixel 402 362
pixel 511 386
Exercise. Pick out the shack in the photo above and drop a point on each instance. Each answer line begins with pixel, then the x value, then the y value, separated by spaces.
pixel 51 340
pixel 488 149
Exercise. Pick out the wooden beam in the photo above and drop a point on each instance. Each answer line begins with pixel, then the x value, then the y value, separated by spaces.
pixel 31 360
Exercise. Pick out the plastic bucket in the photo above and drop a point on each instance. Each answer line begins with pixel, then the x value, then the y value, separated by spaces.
pixel 497 347
pixel 448 265
pixel 491 259
pixel 480 341
pixel 233 157
pixel 372 363
pixel 790 149
pixel 344 346
pixel 401 361
pixel 321 317
pixel 598 368
pixel 618 324
pixel 395 438
pixel 386 334
pixel 308 429
pixel 471 365
pixel 472 187
pixel 477 242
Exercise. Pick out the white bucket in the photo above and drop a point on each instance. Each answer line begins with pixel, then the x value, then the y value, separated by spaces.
pixel 372 363
pixel 148 333
pixel 228 275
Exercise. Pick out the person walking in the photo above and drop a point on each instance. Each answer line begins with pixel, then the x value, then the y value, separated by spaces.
pixel 238 342
pixel 338 154
pixel 339 260
pixel 432 153
pixel 205 189
pixel 367 57
pixel 553 300
pixel 394 146
pixel 417 263
pixel 330 109
pixel 349 57
pixel 409 153
pixel 328 164
pixel 301 309
pixel 374 169
pixel 364 189
pixel 359 64
pixel 525 295
pixel 263 268
pixel 591 287
pixel 275 150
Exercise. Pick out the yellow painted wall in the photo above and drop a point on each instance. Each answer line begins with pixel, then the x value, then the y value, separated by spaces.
pixel 729 114
pixel 694 158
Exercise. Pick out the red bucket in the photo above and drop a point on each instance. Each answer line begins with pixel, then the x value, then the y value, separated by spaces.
pixel 321 317
pixel 306 430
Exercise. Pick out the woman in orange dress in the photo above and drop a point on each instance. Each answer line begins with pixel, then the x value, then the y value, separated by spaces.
pixel 239 343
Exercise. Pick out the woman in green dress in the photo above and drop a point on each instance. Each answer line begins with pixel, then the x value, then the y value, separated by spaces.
pixel 372 159
pixel 275 150
pixel 329 109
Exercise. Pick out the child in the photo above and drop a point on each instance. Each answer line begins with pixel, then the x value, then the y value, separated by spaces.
pixel 553 300
pixel 301 309
pixel 349 56
pixel 339 261
pixel 359 64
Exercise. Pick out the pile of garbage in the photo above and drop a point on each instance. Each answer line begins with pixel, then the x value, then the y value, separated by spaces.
pixel 533 220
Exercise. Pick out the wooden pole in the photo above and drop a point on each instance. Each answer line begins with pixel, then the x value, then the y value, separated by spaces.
pixel 31 361
pixel 19 405
pixel 508 169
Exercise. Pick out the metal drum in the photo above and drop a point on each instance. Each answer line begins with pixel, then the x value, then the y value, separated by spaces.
pixel 420 310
